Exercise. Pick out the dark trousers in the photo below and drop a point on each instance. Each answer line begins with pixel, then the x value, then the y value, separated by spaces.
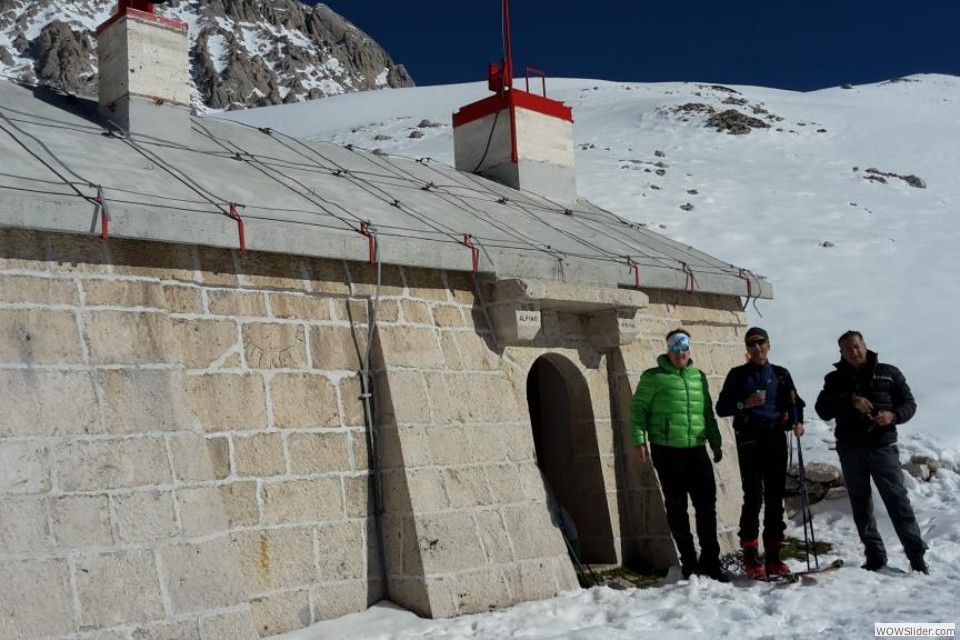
pixel 684 472
pixel 882 464
pixel 763 476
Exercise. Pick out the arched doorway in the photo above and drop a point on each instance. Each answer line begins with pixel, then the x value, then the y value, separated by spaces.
pixel 565 439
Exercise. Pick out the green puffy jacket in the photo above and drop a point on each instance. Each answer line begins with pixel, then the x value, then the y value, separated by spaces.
pixel 672 407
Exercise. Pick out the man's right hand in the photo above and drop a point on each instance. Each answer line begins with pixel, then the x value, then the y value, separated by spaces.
pixel 641 452
pixel 862 405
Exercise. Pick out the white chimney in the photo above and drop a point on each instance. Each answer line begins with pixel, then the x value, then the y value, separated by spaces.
pixel 145 72
pixel 520 139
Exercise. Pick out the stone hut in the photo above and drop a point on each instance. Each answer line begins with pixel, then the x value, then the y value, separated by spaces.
pixel 251 382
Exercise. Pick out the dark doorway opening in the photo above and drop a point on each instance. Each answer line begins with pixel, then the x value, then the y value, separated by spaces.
pixel 568 455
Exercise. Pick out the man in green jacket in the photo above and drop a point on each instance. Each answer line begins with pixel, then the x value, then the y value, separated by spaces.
pixel 672 409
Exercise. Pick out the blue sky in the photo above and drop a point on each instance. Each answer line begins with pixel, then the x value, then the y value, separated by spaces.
pixel 775 43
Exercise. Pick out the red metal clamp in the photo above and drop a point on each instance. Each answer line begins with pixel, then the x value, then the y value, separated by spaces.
pixel 236 216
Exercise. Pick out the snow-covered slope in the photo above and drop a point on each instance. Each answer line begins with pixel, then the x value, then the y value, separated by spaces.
pixel 800 201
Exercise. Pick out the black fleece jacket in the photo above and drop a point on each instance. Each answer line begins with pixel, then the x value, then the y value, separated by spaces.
pixel 880 383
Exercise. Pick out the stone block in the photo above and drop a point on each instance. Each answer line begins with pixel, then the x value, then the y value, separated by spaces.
pixel 82 521
pixel 445 315
pixel 233 625
pixel 532 532
pixel 448 542
pixel 203 343
pixel 403 399
pixel 153 259
pixel 145 400
pixel 273 559
pixel 273 270
pixel 352 403
pixel 303 400
pixel 315 453
pixel 461 287
pixel 24 467
pixel 118 588
pixel 309 308
pixel 448 444
pixel 354 311
pixel 343 551
pixel 197 458
pixel 260 455
pixel 275 346
pixel 34 290
pixel 452 359
pixel 32 337
pixel 427 490
pixel 467 487
pixel 145 516
pixel 227 402
pixel 426 283
pixel 327 276
pixel 364 279
pixel 117 337
pixel 336 600
pixel 111 464
pixel 358 493
pixel 203 576
pixel 238 304
pixel 280 613
pixel 217 266
pixel 36 599
pixel 404 447
pixel 183 299
pixel 494 536
pixel 338 348
pixel 411 347
pixel 302 501
pixel 416 312
pixel 481 592
pixel 181 630
pixel 40 403
pixel 74 253
pixel 23 249
pixel 388 311
pixel 478 351
pixel 360 447
pixel 212 509
pixel 123 293
pixel 475 398
pixel 538 580
pixel 24 528
pixel 504 483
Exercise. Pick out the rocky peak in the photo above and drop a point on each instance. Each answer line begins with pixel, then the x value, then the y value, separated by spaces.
pixel 243 52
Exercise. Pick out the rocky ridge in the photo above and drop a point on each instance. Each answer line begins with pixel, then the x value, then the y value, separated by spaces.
pixel 243 53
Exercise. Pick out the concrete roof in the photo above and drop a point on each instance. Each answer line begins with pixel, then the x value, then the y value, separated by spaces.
pixel 309 198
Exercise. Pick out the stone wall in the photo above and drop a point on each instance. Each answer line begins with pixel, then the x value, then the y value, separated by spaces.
pixel 183 451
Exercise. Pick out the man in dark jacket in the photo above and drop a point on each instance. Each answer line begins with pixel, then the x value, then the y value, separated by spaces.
pixel 672 409
pixel 868 399
pixel 763 401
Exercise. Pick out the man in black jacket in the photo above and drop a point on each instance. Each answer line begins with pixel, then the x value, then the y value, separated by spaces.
pixel 868 399
pixel 763 401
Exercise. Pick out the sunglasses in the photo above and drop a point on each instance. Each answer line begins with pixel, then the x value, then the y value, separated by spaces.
pixel 679 348
pixel 756 343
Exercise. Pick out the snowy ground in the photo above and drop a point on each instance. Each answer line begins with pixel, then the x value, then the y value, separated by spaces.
pixel 842 251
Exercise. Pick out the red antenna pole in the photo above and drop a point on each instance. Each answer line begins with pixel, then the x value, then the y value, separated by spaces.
pixel 507 57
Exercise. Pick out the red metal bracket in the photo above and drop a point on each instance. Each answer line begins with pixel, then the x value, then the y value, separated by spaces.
pixel 474 251
pixel 536 72
pixel 691 279
pixel 236 216
pixel 371 234
pixel 636 272
pixel 104 215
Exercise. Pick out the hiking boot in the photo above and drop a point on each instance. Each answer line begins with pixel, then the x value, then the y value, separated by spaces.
pixel 875 564
pixel 713 570
pixel 686 570
pixel 771 558
pixel 918 564
pixel 751 560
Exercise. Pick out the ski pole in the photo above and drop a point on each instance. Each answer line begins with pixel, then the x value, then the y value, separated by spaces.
pixel 805 511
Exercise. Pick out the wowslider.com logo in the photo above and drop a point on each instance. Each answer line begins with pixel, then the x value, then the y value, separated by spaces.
pixel 914 629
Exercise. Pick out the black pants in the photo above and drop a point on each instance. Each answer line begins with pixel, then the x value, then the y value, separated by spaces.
pixel 684 472
pixel 763 475
pixel 882 464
